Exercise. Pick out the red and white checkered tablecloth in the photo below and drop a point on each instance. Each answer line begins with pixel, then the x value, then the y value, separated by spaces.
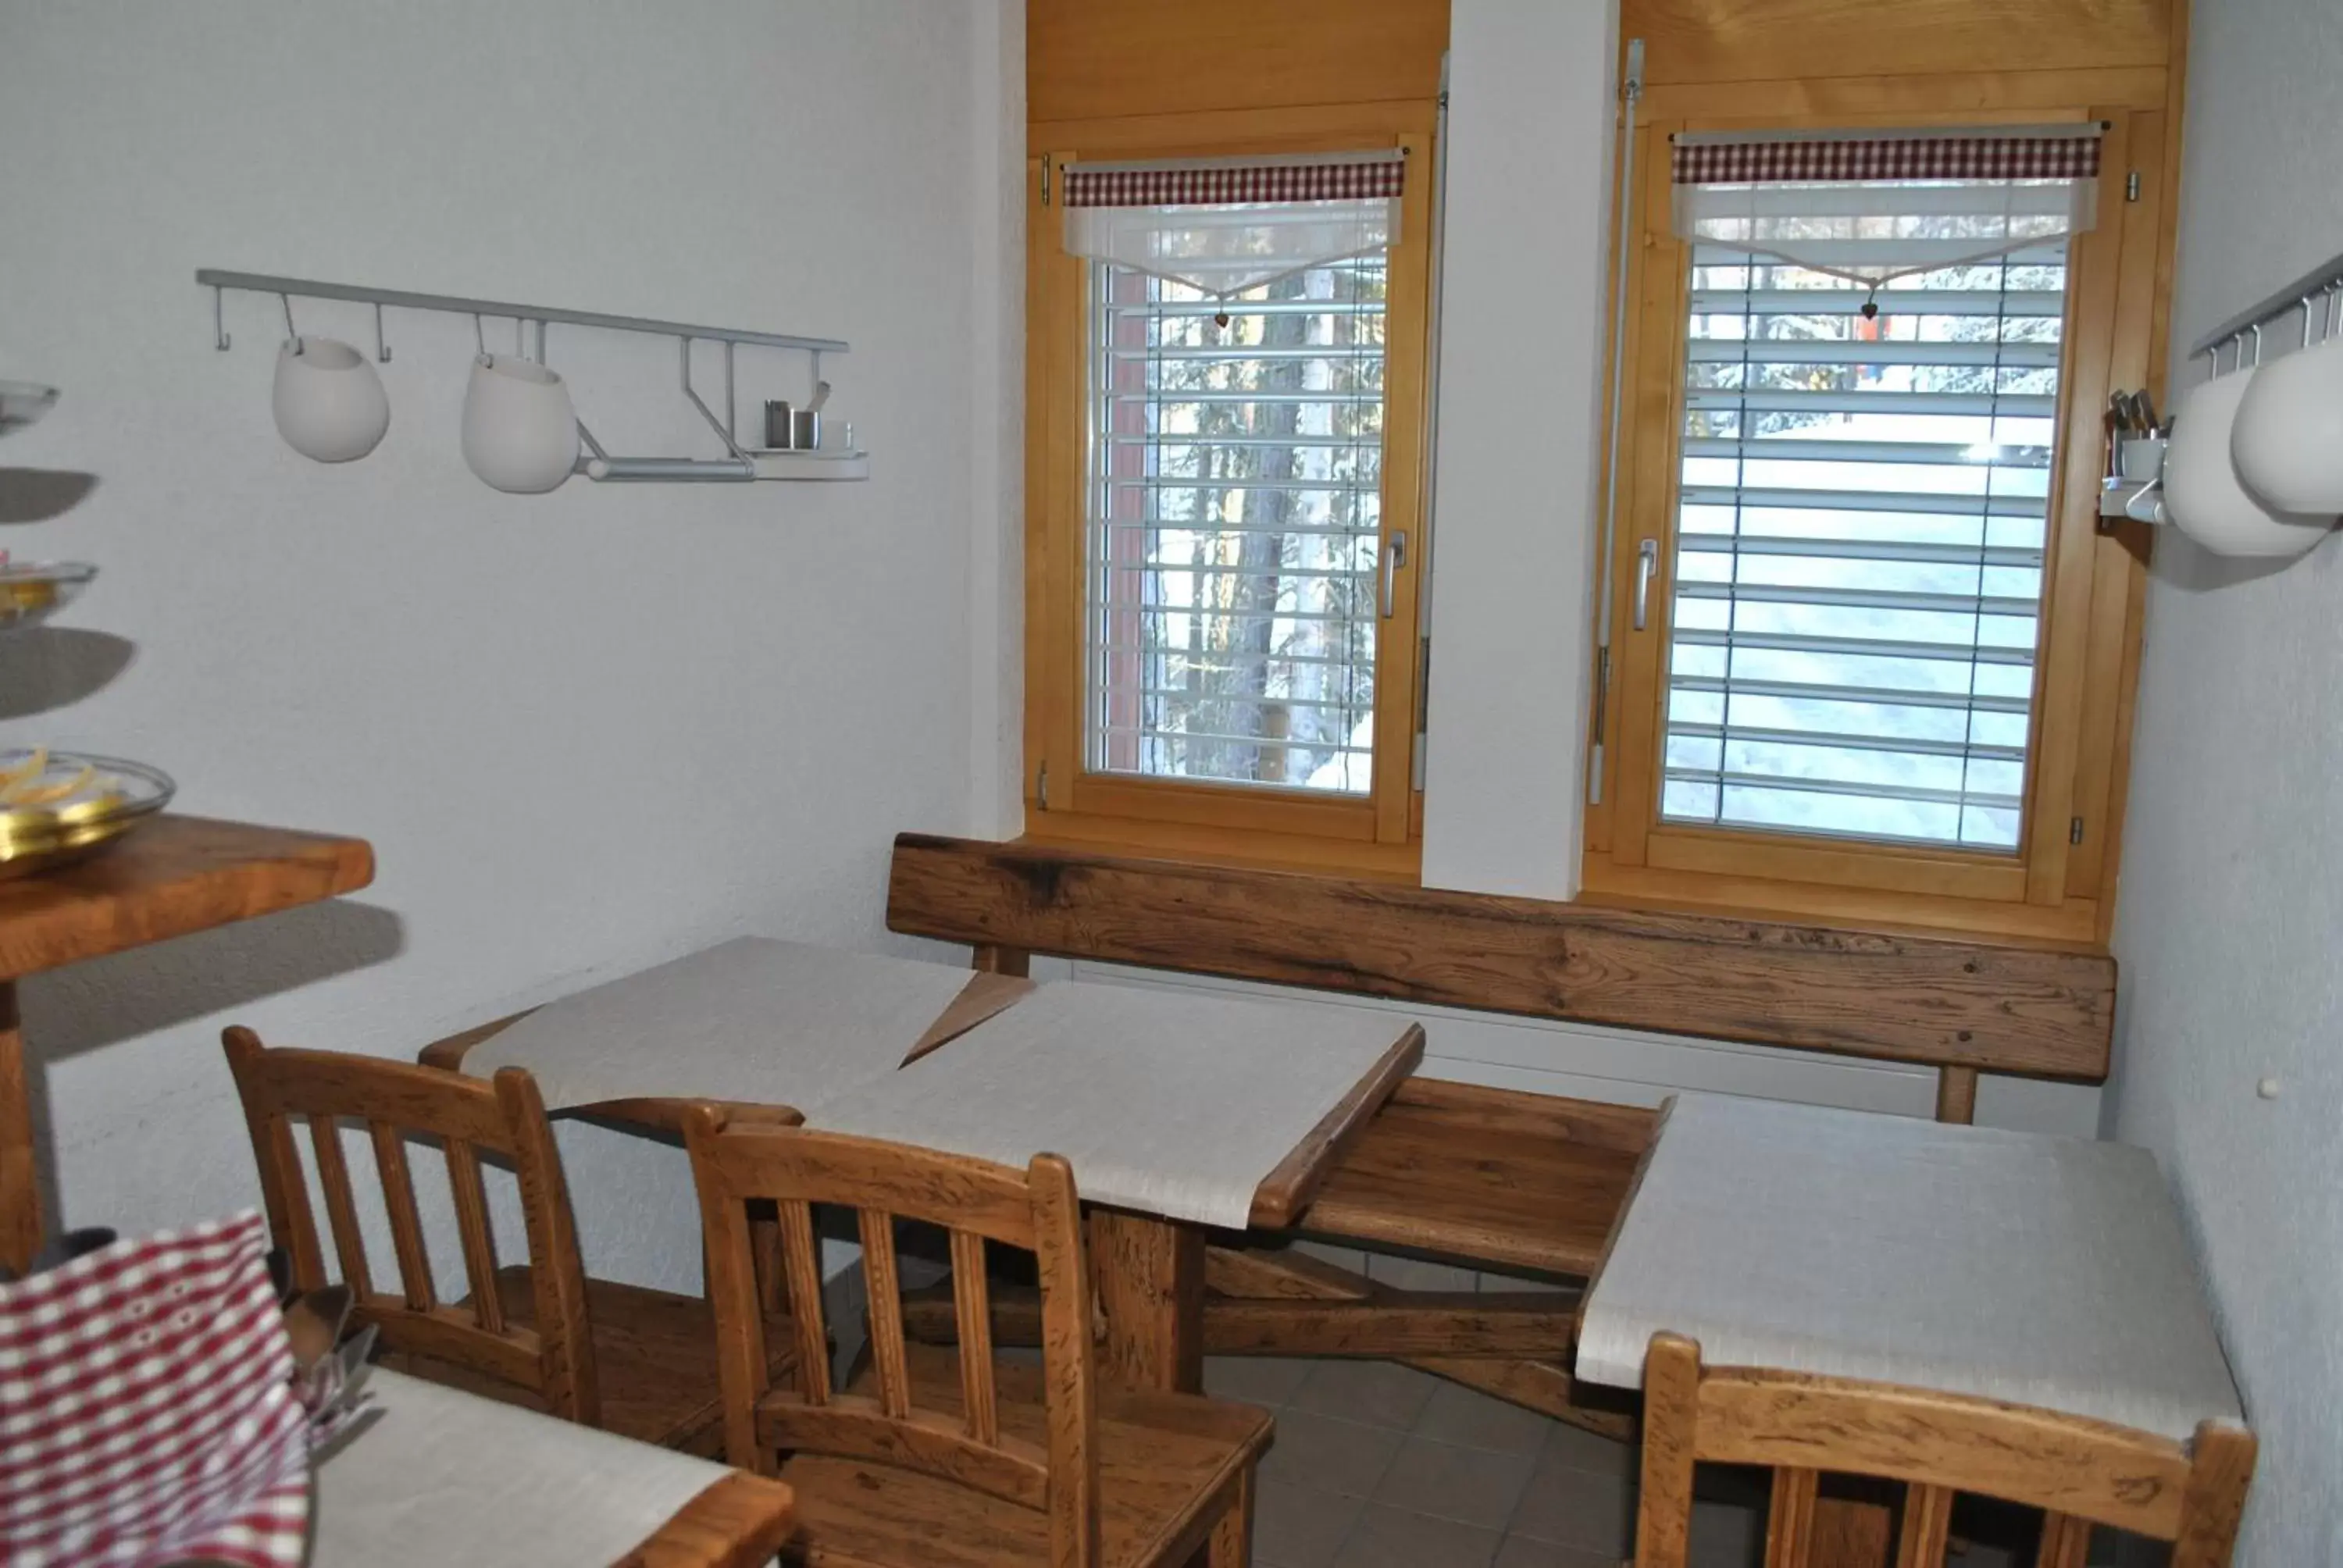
pixel 146 1414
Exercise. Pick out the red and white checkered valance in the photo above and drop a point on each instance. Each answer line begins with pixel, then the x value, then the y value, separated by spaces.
pixel 1224 225
pixel 1878 206
pixel 1887 157
pixel 1215 183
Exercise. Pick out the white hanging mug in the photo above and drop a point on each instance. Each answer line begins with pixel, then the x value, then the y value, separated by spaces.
pixel 2288 444
pixel 329 404
pixel 520 429
pixel 2203 494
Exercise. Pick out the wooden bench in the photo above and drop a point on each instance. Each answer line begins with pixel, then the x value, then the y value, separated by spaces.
pixel 1490 1179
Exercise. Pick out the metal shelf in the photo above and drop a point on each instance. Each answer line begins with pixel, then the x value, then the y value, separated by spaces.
pixel 738 465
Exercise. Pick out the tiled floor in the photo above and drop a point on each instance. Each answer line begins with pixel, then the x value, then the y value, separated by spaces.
pixel 1376 1465
pixel 1379 1466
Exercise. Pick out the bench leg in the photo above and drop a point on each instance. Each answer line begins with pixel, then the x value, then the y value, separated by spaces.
pixel 1541 1385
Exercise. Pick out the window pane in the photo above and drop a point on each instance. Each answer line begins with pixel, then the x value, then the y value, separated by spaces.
pixel 1235 507
pixel 1863 504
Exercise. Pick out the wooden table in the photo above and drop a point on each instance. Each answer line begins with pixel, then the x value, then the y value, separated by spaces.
pixel 438 1475
pixel 173 876
pixel 1149 1268
pixel 2044 1272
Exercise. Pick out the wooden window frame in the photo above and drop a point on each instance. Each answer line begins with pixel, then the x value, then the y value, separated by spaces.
pixel 2094 578
pixel 1375 835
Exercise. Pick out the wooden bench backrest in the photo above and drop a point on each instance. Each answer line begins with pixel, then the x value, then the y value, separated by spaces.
pixel 1958 1006
pixel 2079 1471
pixel 553 1359
pixel 1035 1210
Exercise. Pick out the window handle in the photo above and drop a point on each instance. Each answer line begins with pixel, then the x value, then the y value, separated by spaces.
pixel 1394 557
pixel 1647 561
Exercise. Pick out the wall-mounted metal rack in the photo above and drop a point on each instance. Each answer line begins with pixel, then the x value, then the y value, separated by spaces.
pixel 740 463
pixel 2302 295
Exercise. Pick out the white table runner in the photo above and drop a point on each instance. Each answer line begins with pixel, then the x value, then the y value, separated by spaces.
pixel 1175 1104
pixel 441 1476
pixel 2048 1271
pixel 753 1019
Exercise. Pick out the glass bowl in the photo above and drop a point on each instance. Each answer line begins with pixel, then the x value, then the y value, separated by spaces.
pixel 59 806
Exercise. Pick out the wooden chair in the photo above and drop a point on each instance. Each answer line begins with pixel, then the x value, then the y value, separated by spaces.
pixel 2079 1471
pixel 636 1361
pixel 991 1464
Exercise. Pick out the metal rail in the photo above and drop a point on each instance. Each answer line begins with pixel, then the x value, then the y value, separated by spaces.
pixel 2295 295
pixel 309 288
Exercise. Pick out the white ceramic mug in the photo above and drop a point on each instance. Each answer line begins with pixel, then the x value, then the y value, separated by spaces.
pixel 328 401
pixel 520 429
pixel 2289 443
pixel 2203 494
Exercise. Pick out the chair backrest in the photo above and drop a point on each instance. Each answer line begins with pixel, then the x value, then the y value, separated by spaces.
pixel 2079 1471
pixel 738 1163
pixel 552 1358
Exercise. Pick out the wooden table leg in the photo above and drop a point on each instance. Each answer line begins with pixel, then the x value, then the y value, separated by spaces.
pixel 20 1190
pixel 1150 1278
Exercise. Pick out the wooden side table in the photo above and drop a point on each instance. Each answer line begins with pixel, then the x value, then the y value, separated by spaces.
pixel 173 876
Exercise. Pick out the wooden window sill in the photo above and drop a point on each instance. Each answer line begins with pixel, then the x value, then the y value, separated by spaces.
pixel 2072 926
pixel 1193 844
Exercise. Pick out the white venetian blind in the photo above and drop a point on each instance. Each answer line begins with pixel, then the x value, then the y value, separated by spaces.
pixel 1235 474
pixel 1870 419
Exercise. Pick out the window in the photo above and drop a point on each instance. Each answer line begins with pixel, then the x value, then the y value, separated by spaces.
pixel 1862 514
pixel 1222 586
pixel 1234 538
pixel 1856 502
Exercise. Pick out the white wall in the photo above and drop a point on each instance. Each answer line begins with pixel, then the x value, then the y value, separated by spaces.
pixel 1531 104
pixel 997 422
pixel 2232 899
pixel 584 732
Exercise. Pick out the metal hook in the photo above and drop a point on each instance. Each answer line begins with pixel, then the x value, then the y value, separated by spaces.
pixel 2306 320
pixel 540 340
pixel 219 322
pixel 2257 330
pixel 381 345
pixel 479 334
pixel 291 331
pixel 520 344
pixel 817 369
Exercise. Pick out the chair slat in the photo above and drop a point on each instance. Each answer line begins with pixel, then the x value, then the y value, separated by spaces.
pixel 972 1310
pixel 406 1220
pixel 2066 1542
pixel 765 1248
pixel 341 1206
pixel 884 1285
pixel 1927 1527
pixel 802 1263
pixel 472 1231
pixel 286 1192
pixel 1790 1521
